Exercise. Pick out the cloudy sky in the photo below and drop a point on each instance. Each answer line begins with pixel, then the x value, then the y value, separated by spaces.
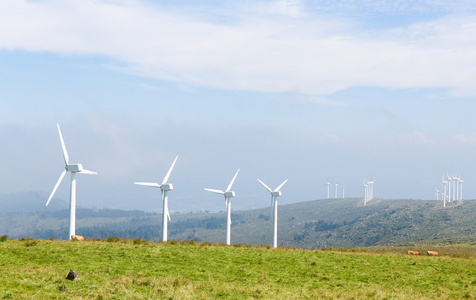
pixel 312 91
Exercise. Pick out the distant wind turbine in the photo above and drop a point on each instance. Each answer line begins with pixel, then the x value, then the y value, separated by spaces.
pixel 165 187
pixel 274 201
pixel 365 193
pixel 328 185
pixel 449 187
pixel 228 193
pixel 335 194
pixel 73 169
pixel 343 190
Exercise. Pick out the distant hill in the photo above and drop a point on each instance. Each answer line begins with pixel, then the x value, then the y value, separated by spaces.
pixel 312 225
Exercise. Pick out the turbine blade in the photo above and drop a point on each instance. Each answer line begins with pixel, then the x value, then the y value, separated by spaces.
pixel 279 187
pixel 87 172
pixel 166 178
pixel 215 191
pixel 232 181
pixel 151 184
pixel 65 153
pixel 164 195
pixel 56 187
pixel 265 186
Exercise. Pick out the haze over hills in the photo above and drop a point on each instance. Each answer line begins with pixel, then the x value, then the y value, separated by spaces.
pixel 312 224
pixel 29 202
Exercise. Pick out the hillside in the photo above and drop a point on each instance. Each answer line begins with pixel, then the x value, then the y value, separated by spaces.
pixel 137 269
pixel 312 225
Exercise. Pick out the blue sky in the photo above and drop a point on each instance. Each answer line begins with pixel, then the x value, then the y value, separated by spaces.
pixel 305 90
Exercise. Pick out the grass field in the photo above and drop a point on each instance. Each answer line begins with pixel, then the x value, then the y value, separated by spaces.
pixel 138 269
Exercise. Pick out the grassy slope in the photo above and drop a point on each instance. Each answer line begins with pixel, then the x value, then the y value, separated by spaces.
pixel 138 270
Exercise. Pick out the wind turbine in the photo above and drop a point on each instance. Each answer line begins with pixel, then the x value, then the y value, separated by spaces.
pixel 335 194
pixel 73 169
pixel 436 193
pixel 454 188
pixel 343 190
pixel 228 193
pixel 370 192
pixel 444 183
pixel 165 187
pixel 365 193
pixel 449 187
pixel 274 201
pixel 328 185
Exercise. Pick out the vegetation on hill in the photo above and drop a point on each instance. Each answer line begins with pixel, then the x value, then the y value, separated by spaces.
pixel 311 225
pixel 138 269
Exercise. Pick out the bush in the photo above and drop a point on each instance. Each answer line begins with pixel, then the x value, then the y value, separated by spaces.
pixel 113 239
pixel 3 238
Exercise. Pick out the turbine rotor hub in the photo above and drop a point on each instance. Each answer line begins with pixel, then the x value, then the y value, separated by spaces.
pixel 74 168
pixel 166 187
pixel 230 194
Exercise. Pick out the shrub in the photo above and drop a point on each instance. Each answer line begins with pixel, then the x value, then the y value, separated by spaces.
pixel 113 239
pixel 3 238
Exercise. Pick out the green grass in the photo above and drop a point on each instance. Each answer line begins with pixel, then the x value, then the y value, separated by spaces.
pixel 138 269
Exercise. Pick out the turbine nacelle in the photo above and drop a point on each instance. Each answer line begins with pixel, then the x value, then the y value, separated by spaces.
pixel 74 168
pixel 276 194
pixel 166 187
pixel 229 194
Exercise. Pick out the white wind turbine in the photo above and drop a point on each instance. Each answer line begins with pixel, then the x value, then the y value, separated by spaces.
pixel 454 187
pixel 444 183
pixel 343 191
pixel 73 169
pixel 335 194
pixel 274 201
pixel 365 193
pixel 328 186
pixel 437 192
pixel 228 193
pixel 165 187
pixel 449 187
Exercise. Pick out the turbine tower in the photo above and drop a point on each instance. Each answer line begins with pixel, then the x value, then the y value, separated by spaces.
pixel 436 193
pixel 73 169
pixel 365 193
pixel 228 193
pixel 274 201
pixel 335 194
pixel 370 193
pixel 328 185
pixel 444 183
pixel 449 187
pixel 165 187
pixel 454 187
pixel 343 190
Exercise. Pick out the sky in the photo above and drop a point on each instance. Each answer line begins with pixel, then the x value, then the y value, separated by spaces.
pixel 310 91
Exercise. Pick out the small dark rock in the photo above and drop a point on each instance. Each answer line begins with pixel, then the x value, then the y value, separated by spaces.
pixel 72 275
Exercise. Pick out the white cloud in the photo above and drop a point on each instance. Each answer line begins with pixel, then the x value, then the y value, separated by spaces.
pixel 285 49
pixel 465 139
pixel 416 137
pixel 333 138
